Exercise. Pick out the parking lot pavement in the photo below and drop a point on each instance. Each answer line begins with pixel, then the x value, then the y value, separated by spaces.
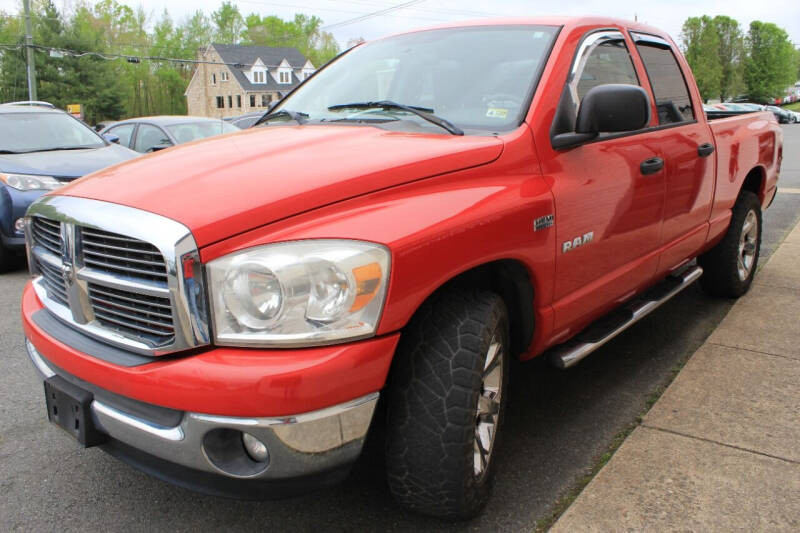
pixel 558 424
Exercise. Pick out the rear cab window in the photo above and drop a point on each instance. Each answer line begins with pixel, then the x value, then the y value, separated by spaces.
pixel 673 102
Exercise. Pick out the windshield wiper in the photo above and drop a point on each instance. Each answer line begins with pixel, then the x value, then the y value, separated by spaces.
pixel 9 152
pixel 422 112
pixel 297 116
pixel 58 148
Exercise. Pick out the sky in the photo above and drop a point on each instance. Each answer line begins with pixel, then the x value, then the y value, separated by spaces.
pixel 667 15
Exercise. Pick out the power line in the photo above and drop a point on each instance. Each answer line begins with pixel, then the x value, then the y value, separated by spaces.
pixel 371 15
pixel 128 57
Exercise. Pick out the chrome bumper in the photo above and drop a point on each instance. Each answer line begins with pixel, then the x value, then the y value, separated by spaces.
pixel 298 445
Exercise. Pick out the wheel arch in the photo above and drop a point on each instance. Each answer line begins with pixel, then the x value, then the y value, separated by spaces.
pixel 755 182
pixel 513 282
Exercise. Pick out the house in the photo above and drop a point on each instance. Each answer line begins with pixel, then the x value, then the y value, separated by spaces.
pixel 232 80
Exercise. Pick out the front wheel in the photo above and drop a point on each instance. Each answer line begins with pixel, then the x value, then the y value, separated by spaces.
pixel 446 404
pixel 729 267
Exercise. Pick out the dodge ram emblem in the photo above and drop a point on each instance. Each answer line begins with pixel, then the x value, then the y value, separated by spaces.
pixel 577 242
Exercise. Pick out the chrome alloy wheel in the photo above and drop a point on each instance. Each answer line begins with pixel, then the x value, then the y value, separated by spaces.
pixel 488 411
pixel 748 241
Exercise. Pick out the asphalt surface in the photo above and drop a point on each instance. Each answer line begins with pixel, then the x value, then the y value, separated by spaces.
pixel 559 423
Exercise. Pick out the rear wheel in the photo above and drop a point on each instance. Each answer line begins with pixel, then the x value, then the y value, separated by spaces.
pixel 729 267
pixel 446 404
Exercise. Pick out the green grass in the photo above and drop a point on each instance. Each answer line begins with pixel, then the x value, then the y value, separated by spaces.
pixel 793 107
pixel 563 503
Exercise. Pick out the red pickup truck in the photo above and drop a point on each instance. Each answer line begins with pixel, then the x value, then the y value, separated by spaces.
pixel 230 314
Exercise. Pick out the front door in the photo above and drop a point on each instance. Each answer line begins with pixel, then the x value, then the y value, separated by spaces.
pixel 608 212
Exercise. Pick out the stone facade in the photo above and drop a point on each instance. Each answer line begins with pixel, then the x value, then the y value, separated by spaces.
pixel 216 90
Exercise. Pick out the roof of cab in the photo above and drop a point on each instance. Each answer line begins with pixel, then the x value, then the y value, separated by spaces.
pixel 11 108
pixel 566 22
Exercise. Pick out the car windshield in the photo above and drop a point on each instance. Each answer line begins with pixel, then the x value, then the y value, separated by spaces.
pixel 192 131
pixel 41 132
pixel 477 78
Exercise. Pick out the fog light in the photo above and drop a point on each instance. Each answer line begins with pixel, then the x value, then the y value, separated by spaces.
pixel 256 449
pixel 19 225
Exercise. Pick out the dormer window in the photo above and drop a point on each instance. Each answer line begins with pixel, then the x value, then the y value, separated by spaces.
pixel 259 76
pixel 285 77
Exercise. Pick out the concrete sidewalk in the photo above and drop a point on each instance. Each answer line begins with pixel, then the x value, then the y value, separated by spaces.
pixel 720 450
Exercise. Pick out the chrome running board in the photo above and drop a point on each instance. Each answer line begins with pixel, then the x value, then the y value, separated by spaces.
pixel 600 332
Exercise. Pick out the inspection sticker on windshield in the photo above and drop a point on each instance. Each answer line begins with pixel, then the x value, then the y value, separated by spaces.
pixel 496 112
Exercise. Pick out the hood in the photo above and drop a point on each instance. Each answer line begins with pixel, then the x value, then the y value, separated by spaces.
pixel 65 163
pixel 225 185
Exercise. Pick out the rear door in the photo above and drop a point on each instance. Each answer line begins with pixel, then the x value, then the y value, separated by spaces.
pixel 687 145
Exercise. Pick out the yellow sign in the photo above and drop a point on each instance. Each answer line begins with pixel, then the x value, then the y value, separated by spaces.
pixel 74 109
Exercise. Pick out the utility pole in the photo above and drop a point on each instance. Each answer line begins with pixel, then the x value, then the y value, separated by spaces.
pixel 29 51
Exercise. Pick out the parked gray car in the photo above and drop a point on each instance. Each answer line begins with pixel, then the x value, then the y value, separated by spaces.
pixel 150 134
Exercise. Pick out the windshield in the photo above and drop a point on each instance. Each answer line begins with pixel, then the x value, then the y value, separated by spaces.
pixel 39 132
pixel 192 131
pixel 478 78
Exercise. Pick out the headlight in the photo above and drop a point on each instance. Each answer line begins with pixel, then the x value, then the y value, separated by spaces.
pixel 30 182
pixel 301 293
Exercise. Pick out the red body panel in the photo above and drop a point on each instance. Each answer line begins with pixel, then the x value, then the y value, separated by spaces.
pixel 442 204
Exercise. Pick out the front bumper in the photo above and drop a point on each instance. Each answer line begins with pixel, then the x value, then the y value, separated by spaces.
pixel 181 418
pixel 318 446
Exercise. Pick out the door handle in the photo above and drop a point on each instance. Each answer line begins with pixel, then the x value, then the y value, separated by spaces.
pixel 705 150
pixel 651 166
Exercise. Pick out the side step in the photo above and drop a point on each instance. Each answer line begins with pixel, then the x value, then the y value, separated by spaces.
pixel 603 330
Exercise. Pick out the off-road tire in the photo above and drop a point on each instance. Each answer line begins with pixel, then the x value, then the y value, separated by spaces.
pixel 433 395
pixel 720 264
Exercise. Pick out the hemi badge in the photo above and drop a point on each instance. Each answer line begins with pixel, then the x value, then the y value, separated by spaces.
pixel 543 222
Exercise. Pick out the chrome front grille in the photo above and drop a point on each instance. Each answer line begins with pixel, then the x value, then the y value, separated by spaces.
pixel 118 274
pixel 120 255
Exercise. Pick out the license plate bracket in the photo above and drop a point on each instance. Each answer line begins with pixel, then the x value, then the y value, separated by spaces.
pixel 70 408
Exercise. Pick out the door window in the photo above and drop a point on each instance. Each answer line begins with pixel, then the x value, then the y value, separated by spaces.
pixel 149 136
pixel 124 132
pixel 669 86
pixel 602 58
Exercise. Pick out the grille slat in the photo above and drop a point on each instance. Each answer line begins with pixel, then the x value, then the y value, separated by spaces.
pixel 117 305
pixel 120 248
pixel 121 255
pixel 122 258
pixel 108 292
pixel 132 317
pixel 127 325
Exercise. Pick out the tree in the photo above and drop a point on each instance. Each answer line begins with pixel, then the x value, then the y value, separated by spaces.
pixel 731 51
pixel 302 33
pixel 110 87
pixel 229 23
pixel 701 45
pixel 770 65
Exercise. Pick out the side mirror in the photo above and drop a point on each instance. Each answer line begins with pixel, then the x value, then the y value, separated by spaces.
pixel 158 147
pixel 110 137
pixel 613 108
pixel 610 108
